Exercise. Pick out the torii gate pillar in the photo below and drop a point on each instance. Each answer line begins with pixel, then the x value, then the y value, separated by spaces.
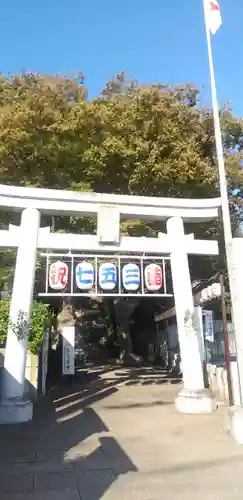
pixel 194 397
pixel 13 407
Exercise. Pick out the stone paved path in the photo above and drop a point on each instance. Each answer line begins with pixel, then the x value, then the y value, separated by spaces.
pixel 118 436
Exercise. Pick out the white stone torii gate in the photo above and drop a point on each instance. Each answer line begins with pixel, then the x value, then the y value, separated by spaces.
pixel 194 398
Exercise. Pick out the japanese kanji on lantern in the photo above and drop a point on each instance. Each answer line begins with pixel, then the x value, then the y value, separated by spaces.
pixel 153 277
pixel 84 274
pixel 131 277
pixel 58 275
pixel 107 275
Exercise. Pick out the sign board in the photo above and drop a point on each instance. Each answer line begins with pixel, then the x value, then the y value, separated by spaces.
pixel 68 351
pixel 97 275
pixel 208 323
pixel 108 224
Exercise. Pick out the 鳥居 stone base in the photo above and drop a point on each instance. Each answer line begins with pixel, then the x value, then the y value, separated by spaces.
pixel 235 423
pixel 15 411
pixel 189 401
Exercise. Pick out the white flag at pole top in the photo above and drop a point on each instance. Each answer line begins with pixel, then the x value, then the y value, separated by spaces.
pixel 213 13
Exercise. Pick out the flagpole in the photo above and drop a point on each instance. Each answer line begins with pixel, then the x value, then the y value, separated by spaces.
pixel 237 312
pixel 219 144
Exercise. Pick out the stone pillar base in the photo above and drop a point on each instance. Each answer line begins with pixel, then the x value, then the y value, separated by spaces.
pixel 188 401
pixel 15 411
pixel 235 423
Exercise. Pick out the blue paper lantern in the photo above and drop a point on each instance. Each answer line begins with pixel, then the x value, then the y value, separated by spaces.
pixel 84 274
pixel 107 276
pixel 131 277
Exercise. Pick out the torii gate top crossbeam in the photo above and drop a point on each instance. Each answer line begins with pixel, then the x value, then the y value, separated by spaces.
pixel 52 201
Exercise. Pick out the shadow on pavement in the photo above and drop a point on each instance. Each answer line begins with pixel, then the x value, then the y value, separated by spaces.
pixel 67 451
pixel 64 448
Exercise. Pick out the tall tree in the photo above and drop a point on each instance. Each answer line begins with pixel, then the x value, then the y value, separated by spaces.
pixel 155 140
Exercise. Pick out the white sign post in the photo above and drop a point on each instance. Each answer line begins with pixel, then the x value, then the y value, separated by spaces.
pixel 208 325
pixel 68 352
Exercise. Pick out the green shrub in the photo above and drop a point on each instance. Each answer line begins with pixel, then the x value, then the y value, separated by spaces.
pixel 4 313
pixel 39 322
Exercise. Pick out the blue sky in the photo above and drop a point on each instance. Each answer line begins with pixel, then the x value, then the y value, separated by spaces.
pixel 151 40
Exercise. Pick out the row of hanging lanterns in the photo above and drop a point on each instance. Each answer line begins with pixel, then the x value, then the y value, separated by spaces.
pixel 107 276
pixel 209 293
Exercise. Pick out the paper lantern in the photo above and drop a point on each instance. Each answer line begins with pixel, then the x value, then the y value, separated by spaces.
pixel 84 275
pixel 204 295
pixel 153 277
pixel 58 275
pixel 107 276
pixel 216 290
pixel 131 277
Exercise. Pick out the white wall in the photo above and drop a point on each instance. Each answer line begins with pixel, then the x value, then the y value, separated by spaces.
pixel 219 336
pixel 217 348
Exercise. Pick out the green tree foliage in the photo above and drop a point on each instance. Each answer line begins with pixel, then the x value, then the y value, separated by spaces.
pixel 152 140
pixel 40 321
pixel 155 140
pixel 34 112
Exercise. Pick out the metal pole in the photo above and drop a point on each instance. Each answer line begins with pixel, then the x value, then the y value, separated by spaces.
pixel 225 207
pixel 226 339
pixel 219 144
